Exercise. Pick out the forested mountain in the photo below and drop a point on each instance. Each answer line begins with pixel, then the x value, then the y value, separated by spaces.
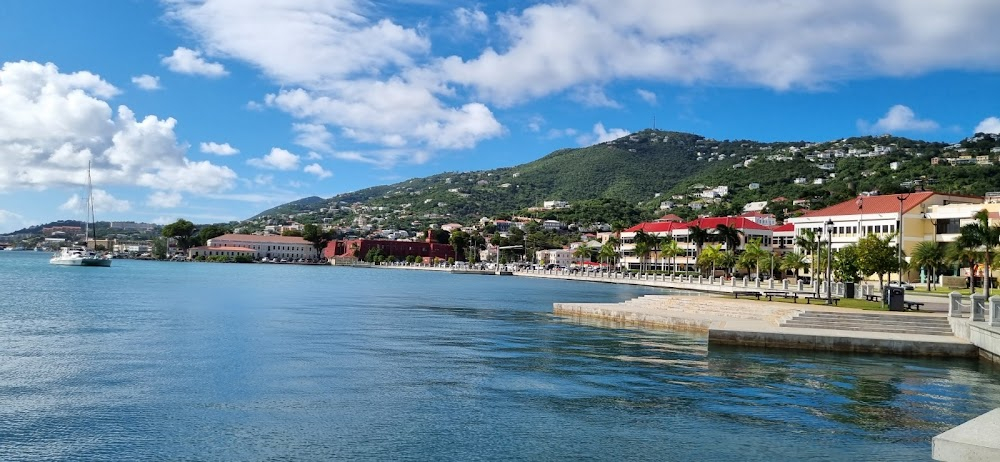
pixel 640 172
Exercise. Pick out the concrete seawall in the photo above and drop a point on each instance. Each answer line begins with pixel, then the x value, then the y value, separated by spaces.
pixel 759 324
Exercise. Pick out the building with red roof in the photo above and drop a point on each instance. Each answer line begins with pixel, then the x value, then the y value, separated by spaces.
pixel 847 222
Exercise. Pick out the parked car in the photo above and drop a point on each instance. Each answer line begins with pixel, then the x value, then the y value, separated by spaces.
pixel 905 285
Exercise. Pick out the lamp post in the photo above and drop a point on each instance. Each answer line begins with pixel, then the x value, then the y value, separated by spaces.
pixel 829 258
pixel 899 236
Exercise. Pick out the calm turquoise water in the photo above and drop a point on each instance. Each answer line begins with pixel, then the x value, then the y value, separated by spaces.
pixel 186 361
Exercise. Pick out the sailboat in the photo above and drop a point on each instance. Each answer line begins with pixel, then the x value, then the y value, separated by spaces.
pixel 82 255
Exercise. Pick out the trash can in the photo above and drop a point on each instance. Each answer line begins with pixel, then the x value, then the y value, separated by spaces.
pixel 848 290
pixel 894 298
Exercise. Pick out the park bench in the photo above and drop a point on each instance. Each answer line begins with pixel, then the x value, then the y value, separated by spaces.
pixel 873 298
pixel 771 294
pixel 912 305
pixel 833 300
pixel 737 293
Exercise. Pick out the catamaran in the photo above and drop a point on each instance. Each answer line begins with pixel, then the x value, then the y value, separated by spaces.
pixel 79 255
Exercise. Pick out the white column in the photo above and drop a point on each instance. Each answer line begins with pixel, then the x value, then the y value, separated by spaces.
pixel 955 305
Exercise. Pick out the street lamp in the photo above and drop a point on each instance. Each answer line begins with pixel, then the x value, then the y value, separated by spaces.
pixel 899 236
pixel 829 258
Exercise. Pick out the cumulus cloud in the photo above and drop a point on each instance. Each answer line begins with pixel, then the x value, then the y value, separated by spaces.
pixel 554 46
pixel 188 61
pixel 989 125
pixel 600 135
pixel 277 159
pixel 52 125
pixel 312 136
pixel 343 69
pixel 11 220
pixel 103 202
pixel 647 96
pixel 899 119
pixel 165 200
pixel 593 96
pixel 223 149
pixel 318 170
pixel 475 20
pixel 146 82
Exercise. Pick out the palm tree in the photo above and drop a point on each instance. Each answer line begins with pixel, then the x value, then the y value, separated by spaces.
pixel 698 236
pixel 617 227
pixel 753 254
pixel 583 253
pixel 709 256
pixel 928 255
pixel 607 252
pixel 985 237
pixel 730 235
pixel 960 252
pixel 671 249
pixel 793 261
pixel 615 244
pixel 642 248
pixel 808 242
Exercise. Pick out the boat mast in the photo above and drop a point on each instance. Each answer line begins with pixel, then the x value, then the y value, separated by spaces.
pixel 91 218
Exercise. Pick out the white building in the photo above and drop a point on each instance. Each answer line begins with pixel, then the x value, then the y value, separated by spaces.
pixel 559 257
pixel 281 247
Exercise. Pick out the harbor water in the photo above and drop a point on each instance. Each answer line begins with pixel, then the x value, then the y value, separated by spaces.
pixel 198 361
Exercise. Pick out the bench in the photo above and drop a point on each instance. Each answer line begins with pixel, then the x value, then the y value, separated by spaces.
pixel 873 298
pixel 737 293
pixel 912 305
pixel 771 294
pixel 833 300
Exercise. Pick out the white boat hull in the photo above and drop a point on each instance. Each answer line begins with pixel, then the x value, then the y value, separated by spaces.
pixel 79 256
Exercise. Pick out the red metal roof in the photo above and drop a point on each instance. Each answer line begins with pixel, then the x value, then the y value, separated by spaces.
pixel 783 228
pixel 737 222
pixel 657 227
pixel 873 204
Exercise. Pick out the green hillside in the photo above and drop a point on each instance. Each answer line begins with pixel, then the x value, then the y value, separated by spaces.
pixel 638 172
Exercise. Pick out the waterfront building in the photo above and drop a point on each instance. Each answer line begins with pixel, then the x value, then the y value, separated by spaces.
pixel 399 250
pixel 679 232
pixel 280 247
pixel 224 251
pixel 847 222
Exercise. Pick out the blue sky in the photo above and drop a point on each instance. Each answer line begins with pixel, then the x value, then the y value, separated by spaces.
pixel 214 110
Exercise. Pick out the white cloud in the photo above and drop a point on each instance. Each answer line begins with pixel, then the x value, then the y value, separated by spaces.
pixel 223 149
pixel 475 20
pixel 345 70
pixel 535 123
pixel 146 82
pixel 647 96
pixel 165 200
pixel 10 220
pixel 555 46
pixel 899 119
pixel 593 96
pixel 989 125
pixel 188 61
pixel 277 159
pixel 318 170
pixel 600 135
pixel 313 136
pixel 52 125
pixel 103 202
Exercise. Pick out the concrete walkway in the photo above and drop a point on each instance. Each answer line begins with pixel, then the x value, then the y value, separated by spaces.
pixel 755 323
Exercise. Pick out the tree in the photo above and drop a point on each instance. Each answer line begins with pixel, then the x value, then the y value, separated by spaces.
pixel 793 261
pixel 211 231
pixel 877 256
pixel 730 235
pixel 160 248
pixel 698 236
pixel 985 237
pixel 671 249
pixel 458 240
pixel 710 256
pixel 607 252
pixel 583 253
pixel 929 256
pixel 752 256
pixel 846 263
pixel 317 237
pixel 642 248
pixel 806 240
pixel 182 231
pixel 291 232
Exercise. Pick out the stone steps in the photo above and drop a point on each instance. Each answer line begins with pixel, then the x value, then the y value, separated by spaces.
pixel 871 322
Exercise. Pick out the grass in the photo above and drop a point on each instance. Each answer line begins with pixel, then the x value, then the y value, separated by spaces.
pixel 843 303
